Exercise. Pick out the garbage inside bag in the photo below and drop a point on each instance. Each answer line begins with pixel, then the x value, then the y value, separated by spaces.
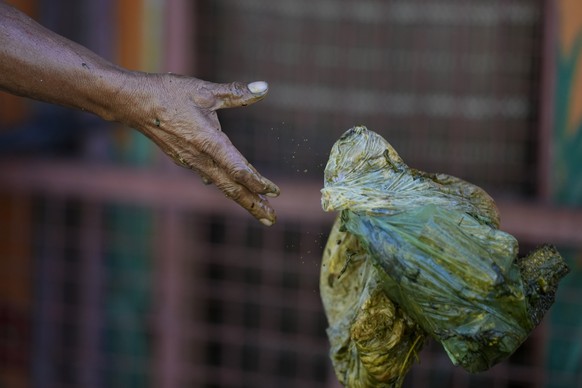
pixel 373 341
pixel 421 254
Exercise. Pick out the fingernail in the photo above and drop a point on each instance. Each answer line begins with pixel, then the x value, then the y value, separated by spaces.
pixel 270 189
pixel 266 222
pixel 258 87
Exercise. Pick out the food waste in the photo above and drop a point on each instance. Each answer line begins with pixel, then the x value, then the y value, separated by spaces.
pixel 415 255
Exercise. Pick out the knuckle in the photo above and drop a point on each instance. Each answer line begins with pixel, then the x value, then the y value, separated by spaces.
pixel 232 191
pixel 204 98
pixel 241 174
pixel 239 88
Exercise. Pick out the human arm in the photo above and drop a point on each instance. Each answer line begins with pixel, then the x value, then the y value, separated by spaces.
pixel 178 113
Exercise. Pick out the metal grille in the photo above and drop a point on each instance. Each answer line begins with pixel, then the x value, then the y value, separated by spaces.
pixel 92 294
pixel 149 295
pixel 522 369
pixel 134 285
pixel 451 84
pixel 164 293
pixel 258 320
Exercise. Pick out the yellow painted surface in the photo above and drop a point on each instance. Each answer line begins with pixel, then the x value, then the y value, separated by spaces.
pixel 570 15
pixel 129 25
pixel 570 29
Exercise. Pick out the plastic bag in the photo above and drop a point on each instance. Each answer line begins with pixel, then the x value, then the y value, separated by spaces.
pixel 373 342
pixel 437 254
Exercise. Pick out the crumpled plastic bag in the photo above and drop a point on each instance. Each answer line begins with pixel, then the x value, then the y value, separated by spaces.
pixel 373 341
pixel 415 254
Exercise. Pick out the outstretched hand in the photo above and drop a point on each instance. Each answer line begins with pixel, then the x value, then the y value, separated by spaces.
pixel 179 114
pixel 176 112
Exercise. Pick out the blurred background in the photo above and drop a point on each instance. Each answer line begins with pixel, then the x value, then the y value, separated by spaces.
pixel 119 269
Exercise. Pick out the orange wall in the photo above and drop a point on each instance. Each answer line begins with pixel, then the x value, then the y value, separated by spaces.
pixel 129 23
pixel 570 29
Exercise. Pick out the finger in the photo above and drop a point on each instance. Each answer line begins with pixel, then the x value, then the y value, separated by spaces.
pixel 238 94
pixel 256 204
pixel 252 180
pixel 183 162
pixel 230 160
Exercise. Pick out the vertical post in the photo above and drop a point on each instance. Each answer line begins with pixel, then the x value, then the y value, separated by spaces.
pixel 567 117
pixel 178 50
pixel 129 25
pixel 564 351
pixel 546 101
pixel 169 256
pixel 180 38
pixel 47 274
pixel 15 288
pixel 90 287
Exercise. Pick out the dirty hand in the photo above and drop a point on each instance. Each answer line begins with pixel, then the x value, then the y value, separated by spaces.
pixel 179 114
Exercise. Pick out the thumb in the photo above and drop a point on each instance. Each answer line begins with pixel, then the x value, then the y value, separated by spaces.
pixel 237 94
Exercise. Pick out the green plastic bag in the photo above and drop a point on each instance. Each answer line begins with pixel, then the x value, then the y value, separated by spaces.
pixel 435 251
pixel 373 341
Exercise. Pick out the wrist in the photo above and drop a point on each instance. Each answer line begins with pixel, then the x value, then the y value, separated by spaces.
pixel 114 97
pixel 131 101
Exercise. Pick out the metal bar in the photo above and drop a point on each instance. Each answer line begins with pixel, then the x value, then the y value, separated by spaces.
pixel 149 187
pixel 180 41
pixel 47 309
pixel 537 223
pixel 169 255
pixel 530 222
pixel 91 289
pixel 546 104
